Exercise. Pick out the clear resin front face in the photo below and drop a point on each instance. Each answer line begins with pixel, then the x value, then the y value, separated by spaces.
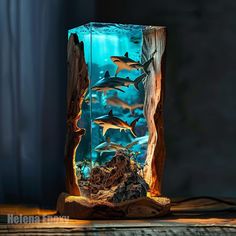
pixel 112 155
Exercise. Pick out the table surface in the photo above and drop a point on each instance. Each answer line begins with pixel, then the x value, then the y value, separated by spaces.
pixel 201 216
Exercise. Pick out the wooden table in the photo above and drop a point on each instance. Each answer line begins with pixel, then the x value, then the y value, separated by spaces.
pixel 195 217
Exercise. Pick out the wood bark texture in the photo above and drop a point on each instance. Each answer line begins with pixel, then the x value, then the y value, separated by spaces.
pixel 77 86
pixel 154 40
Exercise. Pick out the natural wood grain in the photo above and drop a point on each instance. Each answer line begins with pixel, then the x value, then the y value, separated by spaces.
pixel 77 86
pixel 83 208
pixel 154 40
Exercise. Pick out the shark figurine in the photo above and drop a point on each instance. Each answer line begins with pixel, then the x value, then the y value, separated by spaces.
pixel 110 83
pixel 112 122
pixel 109 146
pixel 116 101
pixel 125 63
pixel 141 140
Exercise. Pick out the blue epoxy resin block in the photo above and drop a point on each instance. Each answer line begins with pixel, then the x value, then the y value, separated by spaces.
pixel 115 103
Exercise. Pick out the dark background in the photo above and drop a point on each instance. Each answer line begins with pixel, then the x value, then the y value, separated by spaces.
pixel 200 101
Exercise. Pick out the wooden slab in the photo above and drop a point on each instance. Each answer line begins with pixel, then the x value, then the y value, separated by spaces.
pixel 195 217
pixel 78 207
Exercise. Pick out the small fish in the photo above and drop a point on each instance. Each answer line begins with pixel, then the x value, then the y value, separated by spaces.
pixel 112 122
pixel 125 63
pixel 110 83
pixel 115 101
pixel 93 96
pixel 109 146
pixel 141 140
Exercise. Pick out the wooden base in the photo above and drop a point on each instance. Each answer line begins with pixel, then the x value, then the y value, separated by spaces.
pixel 78 207
pixel 194 217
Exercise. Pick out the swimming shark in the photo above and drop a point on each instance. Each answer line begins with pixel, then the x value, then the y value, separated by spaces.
pixel 109 146
pixel 116 101
pixel 141 140
pixel 110 83
pixel 112 122
pixel 126 63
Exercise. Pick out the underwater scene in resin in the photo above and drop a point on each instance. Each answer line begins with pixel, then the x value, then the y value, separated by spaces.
pixel 112 110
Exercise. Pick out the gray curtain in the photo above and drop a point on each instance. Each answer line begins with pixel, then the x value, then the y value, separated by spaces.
pixel 33 96
pixel 32 99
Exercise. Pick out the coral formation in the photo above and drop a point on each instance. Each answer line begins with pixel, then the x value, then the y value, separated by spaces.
pixel 117 181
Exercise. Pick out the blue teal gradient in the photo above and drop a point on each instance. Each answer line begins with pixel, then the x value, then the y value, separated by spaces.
pixel 101 41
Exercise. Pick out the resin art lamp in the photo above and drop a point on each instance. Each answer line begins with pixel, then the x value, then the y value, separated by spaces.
pixel 114 154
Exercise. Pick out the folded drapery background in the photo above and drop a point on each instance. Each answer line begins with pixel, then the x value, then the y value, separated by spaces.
pixel 200 105
pixel 32 98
